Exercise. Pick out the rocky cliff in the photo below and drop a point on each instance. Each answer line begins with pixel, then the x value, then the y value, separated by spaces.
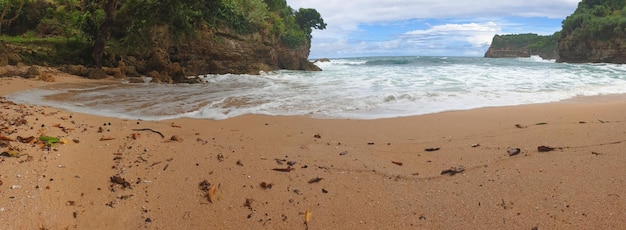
pixel 594 51
pixel 169 61
pixel 595 32
pixel 522 45
pixel 218 52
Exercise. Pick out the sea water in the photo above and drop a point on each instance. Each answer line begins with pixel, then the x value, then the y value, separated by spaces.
pixel 355 88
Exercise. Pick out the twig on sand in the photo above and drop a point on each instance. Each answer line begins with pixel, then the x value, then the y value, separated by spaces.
pixel 151 130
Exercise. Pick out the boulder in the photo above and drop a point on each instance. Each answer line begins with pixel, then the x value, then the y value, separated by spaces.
pixel 33 72
pixel 96 73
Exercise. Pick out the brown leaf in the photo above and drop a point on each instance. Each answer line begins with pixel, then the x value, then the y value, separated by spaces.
pixel 431 149
pixel 211 193
pixel 307 217
pixel 107 138
pixel 5 138
pixel 26 139
pixel 520 126
pixel 397 163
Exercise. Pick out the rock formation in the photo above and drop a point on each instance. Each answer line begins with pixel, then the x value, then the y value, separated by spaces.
pixel 522 45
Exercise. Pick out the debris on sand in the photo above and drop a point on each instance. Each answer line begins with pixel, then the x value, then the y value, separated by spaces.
pixel 119 180
pixel 176 138
pixel 453 170
pixel 307 217
pixel 513 151
pixel 10 153
pixel 315 180
pixel 544 148
pixel 288 169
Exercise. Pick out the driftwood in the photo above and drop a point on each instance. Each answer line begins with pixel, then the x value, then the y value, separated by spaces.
pixel 151 130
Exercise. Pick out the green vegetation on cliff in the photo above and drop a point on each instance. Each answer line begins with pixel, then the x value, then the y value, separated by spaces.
pixel 98 32
pixel 595 33
pixel 597 19
pixel 523 45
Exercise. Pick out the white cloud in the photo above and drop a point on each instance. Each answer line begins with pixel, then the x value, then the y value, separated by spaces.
pixel 470 22
pixel 477 34
pixel 342 12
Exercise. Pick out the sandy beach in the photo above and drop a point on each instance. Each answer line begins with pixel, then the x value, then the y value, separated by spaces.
pixel 457 169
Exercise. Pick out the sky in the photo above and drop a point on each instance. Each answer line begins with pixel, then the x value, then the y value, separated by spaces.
pixel 358 28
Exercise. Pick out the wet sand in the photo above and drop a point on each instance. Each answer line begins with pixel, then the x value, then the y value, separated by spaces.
pixel 438 171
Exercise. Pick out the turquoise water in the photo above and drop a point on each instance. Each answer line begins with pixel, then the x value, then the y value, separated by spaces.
pixel 357 88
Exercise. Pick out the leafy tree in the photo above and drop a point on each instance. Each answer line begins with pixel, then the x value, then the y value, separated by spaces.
pixel 309 19
pixel 9 13
pixel 596 19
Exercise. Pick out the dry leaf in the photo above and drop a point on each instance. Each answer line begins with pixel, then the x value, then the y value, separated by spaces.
pixel 397 163
pixel 288 169
pixel 307 217
pixel 544 148
pixel 5 138
pixel 26 139
pixel 107 138
pixel 315 180
pixel 11 153
pixel 211 193
pixel 176 126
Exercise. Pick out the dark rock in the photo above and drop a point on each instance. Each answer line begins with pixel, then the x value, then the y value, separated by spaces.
pixel 78 70
pixel 115 72
pixel 130 71
pixel 33 72
pixel 513 151
pixel 4 60
pixel 322 60
pixel 96 73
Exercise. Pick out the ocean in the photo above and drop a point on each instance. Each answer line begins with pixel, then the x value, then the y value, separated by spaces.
pixel 353 88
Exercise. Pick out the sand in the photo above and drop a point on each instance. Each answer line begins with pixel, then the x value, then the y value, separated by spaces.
pixel 275 172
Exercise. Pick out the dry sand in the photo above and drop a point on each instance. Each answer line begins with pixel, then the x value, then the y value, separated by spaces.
pixel 298 172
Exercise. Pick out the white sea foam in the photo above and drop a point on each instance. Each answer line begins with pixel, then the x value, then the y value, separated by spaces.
pixel 360 88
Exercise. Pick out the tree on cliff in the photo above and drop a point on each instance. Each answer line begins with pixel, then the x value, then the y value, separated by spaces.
pixel 309 19
pixel 104 33
pixel 594 33
pixel 597 19
pixel 7 8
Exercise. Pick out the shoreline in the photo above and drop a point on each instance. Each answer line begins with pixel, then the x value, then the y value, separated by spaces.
pixel 274 171
pixel 69 81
